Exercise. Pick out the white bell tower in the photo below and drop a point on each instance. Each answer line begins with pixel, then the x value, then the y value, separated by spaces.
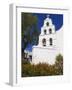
pixel 47 37
pixel 45 51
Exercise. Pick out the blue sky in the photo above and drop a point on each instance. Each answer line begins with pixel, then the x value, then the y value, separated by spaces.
pixel 57 20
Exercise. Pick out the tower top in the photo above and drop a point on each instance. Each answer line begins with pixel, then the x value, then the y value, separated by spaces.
pixel 48 16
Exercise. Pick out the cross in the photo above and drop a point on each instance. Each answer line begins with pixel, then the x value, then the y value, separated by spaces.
pixel 48 16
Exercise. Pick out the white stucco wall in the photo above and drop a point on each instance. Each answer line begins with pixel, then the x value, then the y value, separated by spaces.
pixel 43 55
pixel 60 41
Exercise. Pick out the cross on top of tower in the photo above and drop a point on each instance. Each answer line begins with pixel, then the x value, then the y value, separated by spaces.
pixel 48 16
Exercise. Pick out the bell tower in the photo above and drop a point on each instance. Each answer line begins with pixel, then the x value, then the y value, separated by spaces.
pixel 45 51
pixel 47 37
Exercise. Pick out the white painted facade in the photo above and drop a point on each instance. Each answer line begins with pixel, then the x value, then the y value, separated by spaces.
pixel 47 48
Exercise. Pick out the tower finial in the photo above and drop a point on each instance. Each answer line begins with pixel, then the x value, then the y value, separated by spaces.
pixel 48 16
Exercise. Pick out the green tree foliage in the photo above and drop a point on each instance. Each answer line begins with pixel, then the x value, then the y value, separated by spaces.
pixel 59 63
pixel 43 69
pixel 29 28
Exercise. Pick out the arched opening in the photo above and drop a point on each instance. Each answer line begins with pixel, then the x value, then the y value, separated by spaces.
pixel 47 23
pixel 51 41
pixel 44 42
pixel 45 31
pixel 50 31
